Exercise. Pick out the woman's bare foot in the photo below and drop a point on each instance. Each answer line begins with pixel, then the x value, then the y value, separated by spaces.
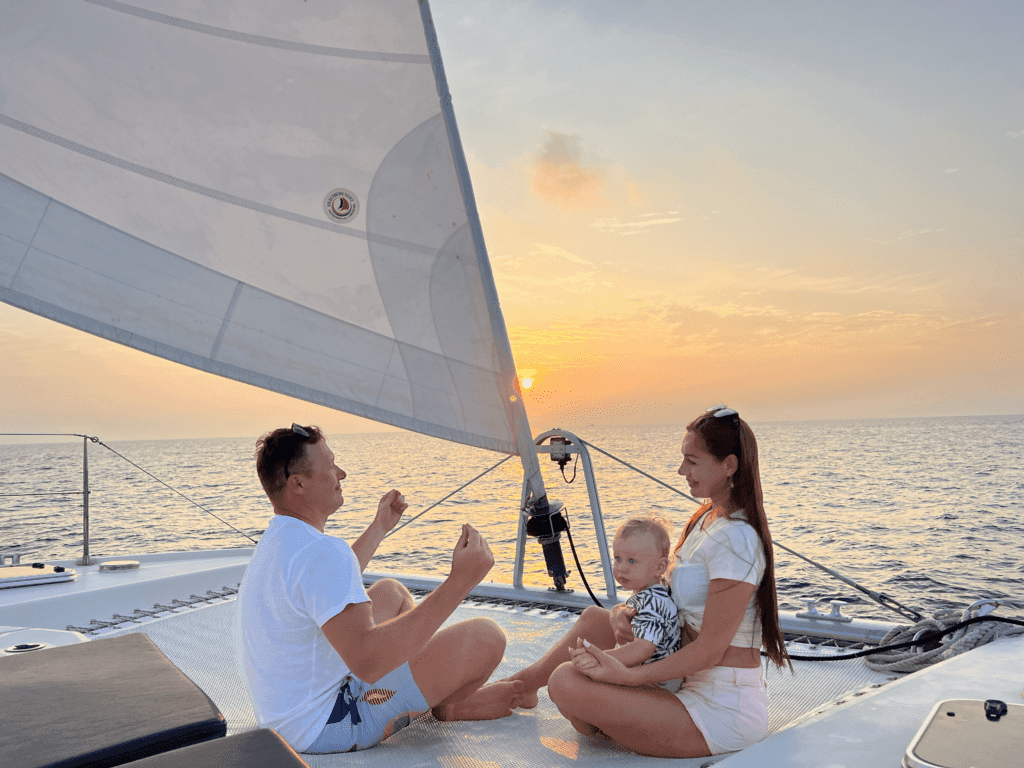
pixel 489 702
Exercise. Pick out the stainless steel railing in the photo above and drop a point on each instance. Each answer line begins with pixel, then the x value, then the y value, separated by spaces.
pixel 86 439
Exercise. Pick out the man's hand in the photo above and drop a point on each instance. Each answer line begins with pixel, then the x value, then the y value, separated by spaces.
pixel 472 558
pixel 621 617
pixel 389 510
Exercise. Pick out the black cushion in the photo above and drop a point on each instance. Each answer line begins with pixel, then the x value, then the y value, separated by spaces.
pixel 254 749
pixel 100 703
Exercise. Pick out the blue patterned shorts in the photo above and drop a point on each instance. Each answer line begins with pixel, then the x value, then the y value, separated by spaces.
pixel 367 713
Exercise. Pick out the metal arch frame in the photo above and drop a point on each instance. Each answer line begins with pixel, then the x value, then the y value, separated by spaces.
pixel 576 445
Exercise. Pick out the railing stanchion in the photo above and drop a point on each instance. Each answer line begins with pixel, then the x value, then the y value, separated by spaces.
pixel 85 503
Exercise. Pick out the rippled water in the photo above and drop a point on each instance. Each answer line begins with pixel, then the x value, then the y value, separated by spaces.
pixel 928 511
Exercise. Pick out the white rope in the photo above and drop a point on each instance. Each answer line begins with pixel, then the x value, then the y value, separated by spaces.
pixel 913 659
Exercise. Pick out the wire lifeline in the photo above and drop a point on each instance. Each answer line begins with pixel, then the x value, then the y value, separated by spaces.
pixel 190 501
pixel 878 597
pixel 50 493
pixel 883 600
pixel 441 501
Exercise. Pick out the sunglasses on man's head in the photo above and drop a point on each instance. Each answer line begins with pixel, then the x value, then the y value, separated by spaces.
pixel 302 432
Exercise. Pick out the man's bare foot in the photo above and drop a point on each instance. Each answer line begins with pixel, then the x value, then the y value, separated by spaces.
pixel 526 696
pixel 527 699
pixel 489 702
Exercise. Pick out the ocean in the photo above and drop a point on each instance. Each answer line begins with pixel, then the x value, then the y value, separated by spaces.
pixel 929 511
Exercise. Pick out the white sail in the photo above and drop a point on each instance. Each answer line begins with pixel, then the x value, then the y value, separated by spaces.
pixel 273 192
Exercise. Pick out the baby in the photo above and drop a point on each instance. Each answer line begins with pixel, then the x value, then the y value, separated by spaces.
pixel 641 556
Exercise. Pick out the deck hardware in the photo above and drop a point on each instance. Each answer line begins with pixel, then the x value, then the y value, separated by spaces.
pixel 120 565
pixel 545 522
pixel 918 636
pixel 558 452
pixel 26 647
pixel 15 559
pixel 811 612
pixel 837 611
pixel 994 709
pixel 566 445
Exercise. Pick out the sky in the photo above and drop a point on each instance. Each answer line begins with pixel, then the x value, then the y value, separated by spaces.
pixel 805 210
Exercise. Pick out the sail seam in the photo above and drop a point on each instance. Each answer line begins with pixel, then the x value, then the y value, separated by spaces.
pixel 239 286
pixel 262 380
pixel 384 378
pixel 28 246
pixel 268 42
pixel 198 189
pixel 227 320
pixel 238 289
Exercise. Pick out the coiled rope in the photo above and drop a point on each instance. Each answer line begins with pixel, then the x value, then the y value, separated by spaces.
pixel 918 657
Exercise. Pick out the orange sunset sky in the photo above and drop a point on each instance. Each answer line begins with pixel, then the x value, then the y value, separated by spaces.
pixel 806 210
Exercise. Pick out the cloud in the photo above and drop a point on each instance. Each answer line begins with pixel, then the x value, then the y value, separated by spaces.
pixel 952 170
pixel 614 225
pixel 542 249
pixel 1015 134
pixel 562 176
pixel 906 234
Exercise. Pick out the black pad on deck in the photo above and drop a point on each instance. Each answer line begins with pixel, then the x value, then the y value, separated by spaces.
pixel 253 749
pixel 101 703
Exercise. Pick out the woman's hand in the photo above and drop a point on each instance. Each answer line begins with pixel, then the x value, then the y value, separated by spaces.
pixel 598 665
pixel 621 617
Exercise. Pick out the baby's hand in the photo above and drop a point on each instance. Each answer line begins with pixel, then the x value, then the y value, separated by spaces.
pixel 580 658
pixel 621 617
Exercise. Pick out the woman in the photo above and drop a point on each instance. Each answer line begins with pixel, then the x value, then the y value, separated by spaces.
pixel 723 582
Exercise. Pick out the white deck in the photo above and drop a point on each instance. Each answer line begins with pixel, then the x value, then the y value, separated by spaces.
pixel 872 727
pixel 875 729
pixel 200 642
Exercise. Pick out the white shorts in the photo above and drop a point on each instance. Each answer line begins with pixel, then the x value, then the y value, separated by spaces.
pixel 729 706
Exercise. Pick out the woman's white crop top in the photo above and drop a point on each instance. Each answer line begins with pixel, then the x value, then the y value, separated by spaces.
pixel 728 549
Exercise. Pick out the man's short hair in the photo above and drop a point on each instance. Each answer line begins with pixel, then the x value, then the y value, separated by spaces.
pixel 282 453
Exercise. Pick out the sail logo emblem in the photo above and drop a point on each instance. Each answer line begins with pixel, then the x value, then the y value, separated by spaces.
pixel 341 205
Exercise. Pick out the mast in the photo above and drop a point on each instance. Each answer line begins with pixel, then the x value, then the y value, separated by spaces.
pixel 509 380
pixel 540 519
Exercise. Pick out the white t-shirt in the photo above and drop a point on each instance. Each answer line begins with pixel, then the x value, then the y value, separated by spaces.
pixel 297 580
pixel 728 549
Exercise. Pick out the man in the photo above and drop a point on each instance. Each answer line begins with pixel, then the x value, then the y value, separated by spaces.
pixel 333 667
